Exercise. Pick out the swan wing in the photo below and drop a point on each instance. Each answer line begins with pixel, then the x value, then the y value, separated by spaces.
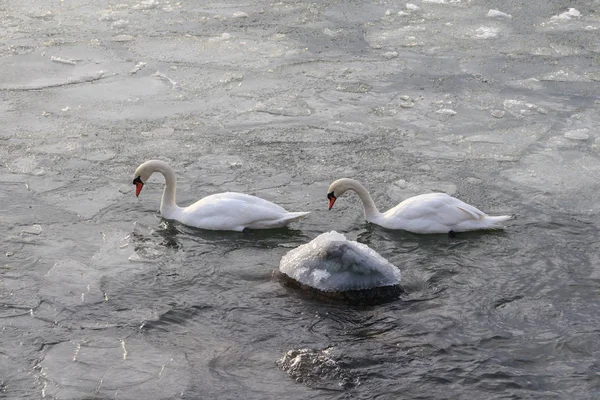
pixel 435 207
pixel 246 200
pixel 231 211
pixel 474 212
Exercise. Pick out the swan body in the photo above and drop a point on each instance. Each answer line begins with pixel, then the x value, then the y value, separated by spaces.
pixel 332 263
pixel 227 211
pixel 425 213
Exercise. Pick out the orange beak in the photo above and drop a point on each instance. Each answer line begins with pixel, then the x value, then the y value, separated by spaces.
pixel 138 188
pixel 332 199
pixel 138 185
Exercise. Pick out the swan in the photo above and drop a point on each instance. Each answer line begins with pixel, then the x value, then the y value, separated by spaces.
pixel 221 212
pixel 425 213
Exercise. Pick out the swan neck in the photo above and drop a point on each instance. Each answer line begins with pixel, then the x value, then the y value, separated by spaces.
pixel 167 203
pixel 371 211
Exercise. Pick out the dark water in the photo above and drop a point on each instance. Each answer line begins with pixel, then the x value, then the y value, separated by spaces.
pixel 102 299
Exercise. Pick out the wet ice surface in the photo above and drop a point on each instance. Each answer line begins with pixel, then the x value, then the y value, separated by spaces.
pixel 100 298
pixel 332 263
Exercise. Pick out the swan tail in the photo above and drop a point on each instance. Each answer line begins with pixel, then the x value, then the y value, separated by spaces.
pixel 280 222
pixel 289 218
pixel 293 216
pixel 494 222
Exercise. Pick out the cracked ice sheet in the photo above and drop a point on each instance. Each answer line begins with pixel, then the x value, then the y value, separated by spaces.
pixel 113 367
pixel 559 175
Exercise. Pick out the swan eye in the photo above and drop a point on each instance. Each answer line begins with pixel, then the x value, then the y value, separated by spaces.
pixel 138 180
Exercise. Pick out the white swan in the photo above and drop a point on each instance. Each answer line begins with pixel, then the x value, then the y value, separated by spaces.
pixel 425 213
pixel 221 212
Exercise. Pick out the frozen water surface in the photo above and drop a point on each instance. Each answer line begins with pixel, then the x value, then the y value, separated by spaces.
pixel 495 102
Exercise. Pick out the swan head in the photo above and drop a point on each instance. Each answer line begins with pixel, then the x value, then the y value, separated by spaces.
pixel 336 189
pixel 141 175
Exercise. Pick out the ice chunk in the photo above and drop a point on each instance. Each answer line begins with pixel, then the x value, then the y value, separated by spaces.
pixel 441 1
pixel 497 113
pixel 567 15
pixel 498 14
pixel 120 24
pixel 525 108
pixel 230 77
pixel 146 5
pixel 145 256
pixel 33 230
pixel 486 32
pixel 563 76
pixel 23 165
pixel 578 134
pixel 164 78
pixel 446 111
pixel 62 60
pixel 412 7
pixel 289 106
pixel 332 263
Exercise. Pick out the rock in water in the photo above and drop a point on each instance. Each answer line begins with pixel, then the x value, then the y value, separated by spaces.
pixel 335 267
pixel 317 368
